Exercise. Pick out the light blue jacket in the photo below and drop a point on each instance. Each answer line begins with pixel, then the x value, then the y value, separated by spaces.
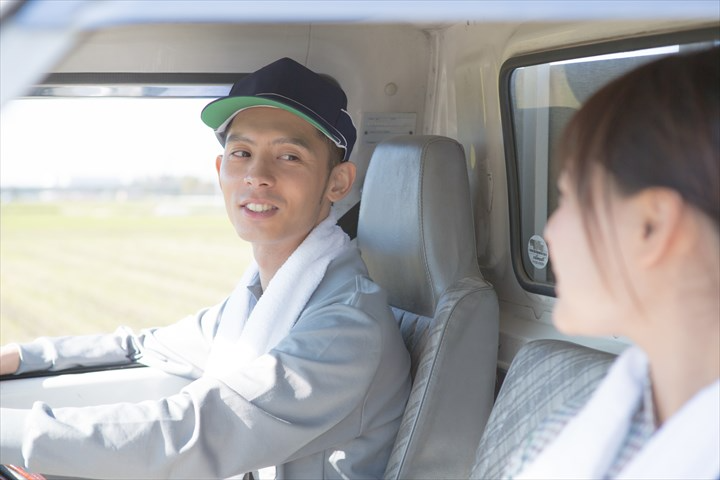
pixel 338 384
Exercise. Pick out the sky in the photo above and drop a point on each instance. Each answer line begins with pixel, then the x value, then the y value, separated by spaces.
pixel 46 142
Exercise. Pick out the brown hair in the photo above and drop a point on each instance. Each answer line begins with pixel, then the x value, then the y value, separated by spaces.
pixel 656 126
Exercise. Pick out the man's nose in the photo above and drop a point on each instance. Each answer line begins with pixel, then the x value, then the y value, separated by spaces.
pixel 259 173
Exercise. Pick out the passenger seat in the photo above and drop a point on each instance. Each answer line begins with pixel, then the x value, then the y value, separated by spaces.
pixel 544 375
pixel 416 235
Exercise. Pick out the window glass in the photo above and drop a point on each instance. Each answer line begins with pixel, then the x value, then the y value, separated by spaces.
pixel 110 212
pixel 542 98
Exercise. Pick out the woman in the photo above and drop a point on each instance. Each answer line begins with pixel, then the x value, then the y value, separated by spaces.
pixel 635 244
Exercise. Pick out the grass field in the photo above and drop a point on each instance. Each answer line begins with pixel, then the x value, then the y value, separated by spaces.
pixel 85 267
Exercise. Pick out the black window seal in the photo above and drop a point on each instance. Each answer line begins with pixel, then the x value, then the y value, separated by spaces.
pixel 134 84
pixel 506 114
pixel 145 79
pixel 112 78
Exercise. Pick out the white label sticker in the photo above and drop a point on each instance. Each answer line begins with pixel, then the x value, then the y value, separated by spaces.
pixel 377 127
pixel 538 252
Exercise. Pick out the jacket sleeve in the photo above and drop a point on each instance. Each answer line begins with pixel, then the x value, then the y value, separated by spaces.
pixel 180 348
pixel 305 395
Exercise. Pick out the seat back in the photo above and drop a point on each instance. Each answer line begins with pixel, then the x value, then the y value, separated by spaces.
pixel 544 375
pixel 416 235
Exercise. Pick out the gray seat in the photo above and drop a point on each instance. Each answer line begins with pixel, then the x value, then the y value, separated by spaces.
pixel 416 235
pixel 544 375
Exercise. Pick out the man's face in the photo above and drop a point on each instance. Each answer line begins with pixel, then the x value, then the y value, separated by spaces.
pixel 276 178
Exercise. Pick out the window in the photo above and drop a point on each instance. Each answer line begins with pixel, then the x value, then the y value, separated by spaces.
pixel 110 211
pixel 540 93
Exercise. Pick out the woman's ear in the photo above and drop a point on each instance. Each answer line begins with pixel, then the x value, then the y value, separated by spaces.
pixel 341 181
pixel 661 211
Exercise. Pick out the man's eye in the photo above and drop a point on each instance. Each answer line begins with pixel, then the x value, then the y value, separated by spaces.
pixel 290 157
pixel 240 153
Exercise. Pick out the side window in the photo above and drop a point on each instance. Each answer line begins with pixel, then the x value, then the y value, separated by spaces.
pixel 110 207
pixel 540 93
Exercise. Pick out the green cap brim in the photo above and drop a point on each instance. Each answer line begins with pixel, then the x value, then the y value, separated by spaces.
pixel 218 112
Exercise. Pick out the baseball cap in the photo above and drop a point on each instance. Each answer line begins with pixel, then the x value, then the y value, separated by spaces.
pixel 288 85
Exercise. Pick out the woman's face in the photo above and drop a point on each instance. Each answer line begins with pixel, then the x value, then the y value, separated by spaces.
pixel 592 290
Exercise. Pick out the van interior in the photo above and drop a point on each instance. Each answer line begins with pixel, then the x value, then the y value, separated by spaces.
pixel 458 106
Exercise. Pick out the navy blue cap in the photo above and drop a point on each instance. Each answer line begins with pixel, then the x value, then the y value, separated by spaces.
pixel 288 85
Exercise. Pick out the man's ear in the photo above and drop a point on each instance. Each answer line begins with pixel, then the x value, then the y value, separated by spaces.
pixel 661 217
pixel 218 163
pixel 341 181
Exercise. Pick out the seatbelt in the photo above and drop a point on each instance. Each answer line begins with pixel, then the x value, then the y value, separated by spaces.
pixel 349 221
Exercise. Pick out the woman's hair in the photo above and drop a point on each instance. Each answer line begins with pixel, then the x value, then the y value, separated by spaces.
pixel 656 126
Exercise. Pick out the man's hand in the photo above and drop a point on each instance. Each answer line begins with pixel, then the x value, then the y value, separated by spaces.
pixel 9 359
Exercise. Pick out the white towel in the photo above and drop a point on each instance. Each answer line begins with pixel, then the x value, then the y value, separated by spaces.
pixel 686 446
pixel 241 338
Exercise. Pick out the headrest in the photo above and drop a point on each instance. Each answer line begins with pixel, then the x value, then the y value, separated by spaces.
pixel 415 229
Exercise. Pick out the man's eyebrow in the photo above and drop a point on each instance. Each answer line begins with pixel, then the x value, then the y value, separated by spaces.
pixel 300 142
pixel 234 137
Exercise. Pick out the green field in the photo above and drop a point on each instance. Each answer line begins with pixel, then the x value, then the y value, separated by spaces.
pixel 76 267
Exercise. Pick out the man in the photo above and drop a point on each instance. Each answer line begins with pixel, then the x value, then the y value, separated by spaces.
pixel 302 368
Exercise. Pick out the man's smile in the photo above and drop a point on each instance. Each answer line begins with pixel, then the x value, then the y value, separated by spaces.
pixel 259 207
